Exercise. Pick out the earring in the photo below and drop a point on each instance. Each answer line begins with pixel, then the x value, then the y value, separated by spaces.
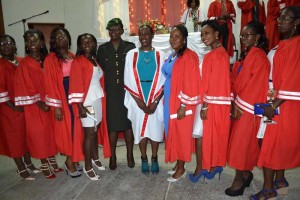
pixel 217 37
pixel 256 43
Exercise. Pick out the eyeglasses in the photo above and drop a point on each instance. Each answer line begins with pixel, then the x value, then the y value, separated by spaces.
pixel 284 19
pixel 8 43
pixel 246 35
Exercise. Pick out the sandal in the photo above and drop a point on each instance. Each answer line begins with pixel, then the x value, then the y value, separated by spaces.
pixel 45 168
pixel 263 195
pixel 281 190
pixel 28 178
pixel 32 169
pixel 52 162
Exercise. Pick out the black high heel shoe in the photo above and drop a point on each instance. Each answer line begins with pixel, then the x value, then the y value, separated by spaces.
pixel 248 180
pixel 234 193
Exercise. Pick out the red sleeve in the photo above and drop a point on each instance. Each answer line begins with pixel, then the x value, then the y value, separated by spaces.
pixel 77 82
pixel 255 83
pixel 191 74
pixel 246 6
pixel 290 87
pixel 51 66
pixel 4 96
pixel 212 11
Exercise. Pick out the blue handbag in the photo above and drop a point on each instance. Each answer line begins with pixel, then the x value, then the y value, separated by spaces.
pixel 259 108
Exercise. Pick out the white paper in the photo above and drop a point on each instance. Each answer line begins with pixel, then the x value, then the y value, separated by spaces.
pixel 174 116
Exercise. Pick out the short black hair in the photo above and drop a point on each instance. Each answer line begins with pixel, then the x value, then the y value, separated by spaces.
pixel 53 47
pixel 79 50
pixel 214 24
pixel 43 49
pixel 189 2
pixel 146 26
pixel 259 28
pixel 185 34
pixel 3 36
pixel 296 12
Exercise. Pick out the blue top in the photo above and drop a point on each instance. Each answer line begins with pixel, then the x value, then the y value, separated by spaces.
pixel 146 67
pixel 167 72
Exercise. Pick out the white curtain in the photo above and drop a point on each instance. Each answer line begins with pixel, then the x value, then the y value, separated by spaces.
pixel 105 10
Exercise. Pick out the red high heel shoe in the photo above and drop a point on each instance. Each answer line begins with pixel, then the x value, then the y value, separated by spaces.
pixel 45 167
pixel 53 164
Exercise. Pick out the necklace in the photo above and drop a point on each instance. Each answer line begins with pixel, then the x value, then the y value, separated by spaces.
pixel 172 58
pixel 216 46
pixel 147 59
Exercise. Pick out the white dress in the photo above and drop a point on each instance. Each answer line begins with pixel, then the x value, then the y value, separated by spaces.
pixel 187 19
pixel 93 98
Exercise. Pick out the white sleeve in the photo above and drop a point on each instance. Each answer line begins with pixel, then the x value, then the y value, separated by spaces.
pixel 184 16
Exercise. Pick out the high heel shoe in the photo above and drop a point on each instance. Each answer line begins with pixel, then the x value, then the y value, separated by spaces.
pixel 96 177
pixel 72 174
pixel 154 165
pixel 234 193
pixel 195 179
pixel 45 167
pixel 145 165
pixel 53 164
pixel 211 175
pixel 173 180
pixel 281 190
pixel 35 171
pixel 264 194
pixel 248 180
pixel 29 178
pixel 172 171
pixel 78 167
pixel 101 168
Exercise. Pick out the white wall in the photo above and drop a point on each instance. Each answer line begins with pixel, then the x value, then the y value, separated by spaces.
pixel 78 16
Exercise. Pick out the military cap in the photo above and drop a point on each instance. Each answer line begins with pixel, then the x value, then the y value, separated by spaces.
pixel 114 22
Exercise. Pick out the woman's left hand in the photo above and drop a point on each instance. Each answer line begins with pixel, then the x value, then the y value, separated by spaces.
pixel 181 112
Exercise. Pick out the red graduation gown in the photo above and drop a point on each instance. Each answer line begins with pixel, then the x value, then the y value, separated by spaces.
pixel 80 78
pixel 12 123
pixel 250 86
pixel 56 97
pixel 280 148
pixel 29 88
pixel 185 88
pixel 215 90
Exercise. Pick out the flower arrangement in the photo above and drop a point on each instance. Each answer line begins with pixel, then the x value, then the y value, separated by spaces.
pixel 157 26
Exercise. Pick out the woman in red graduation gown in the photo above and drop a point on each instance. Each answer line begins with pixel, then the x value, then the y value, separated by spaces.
pixel 88 100
pixel 30 93
pixel 57 70
pixel 280 147
pixel 249 87
pixel 216 100
pixel 12 119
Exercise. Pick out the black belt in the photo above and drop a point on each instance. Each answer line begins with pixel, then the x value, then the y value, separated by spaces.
pixel 146 81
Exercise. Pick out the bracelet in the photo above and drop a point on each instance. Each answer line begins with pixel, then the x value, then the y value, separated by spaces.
pixel 204 108
pixel 183 105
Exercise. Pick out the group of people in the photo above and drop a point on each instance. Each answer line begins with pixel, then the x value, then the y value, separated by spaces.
pixel 66 103
pixel 224 12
